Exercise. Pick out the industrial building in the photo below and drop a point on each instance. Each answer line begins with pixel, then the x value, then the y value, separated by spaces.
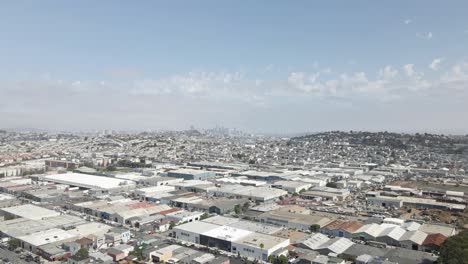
pixel 249 244
pixel 89 181
pixel 191 174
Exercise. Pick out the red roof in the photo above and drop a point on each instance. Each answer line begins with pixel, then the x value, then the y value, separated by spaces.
pixel 434 239
pixel 141 205
pixel 349 226
pixel 172 210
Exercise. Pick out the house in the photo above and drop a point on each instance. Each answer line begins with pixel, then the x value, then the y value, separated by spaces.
pixel 163 225
pixel 117 235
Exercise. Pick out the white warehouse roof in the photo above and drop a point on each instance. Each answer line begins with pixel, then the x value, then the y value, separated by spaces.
pixel 30 211
pixel 88 181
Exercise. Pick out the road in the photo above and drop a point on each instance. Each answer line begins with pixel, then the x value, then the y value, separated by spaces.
pixel 11 256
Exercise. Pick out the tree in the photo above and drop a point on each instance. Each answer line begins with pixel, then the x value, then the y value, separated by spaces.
pixel 138 252
pixel 171 225
pixel 455 249
pixel 14 243
pixel 237 209
pixel 262 245
pixel 204 216
pixel 278 259
pixel 245 206
pixel 331 184
pixel 314 228
pixel 302 190
pixel 82 253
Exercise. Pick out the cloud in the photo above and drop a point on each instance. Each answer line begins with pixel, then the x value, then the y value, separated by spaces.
pixel 407 21
pixel 208 96
pixel 388 73
pixel 457 74
pixel 427 36
pixel 124 73
pixel 409 69
pixel 435 64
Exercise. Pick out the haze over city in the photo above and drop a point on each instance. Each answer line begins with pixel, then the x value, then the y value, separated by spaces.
pixel 263 66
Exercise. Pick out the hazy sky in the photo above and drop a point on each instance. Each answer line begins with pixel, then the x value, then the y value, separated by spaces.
pixel 262 66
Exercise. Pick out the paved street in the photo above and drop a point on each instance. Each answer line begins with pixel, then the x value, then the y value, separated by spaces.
pixel 11 256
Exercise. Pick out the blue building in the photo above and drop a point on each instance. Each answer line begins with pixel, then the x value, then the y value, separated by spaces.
pixel 191 174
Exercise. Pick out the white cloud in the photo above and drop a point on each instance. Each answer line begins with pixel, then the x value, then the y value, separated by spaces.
pixel 435 64
pixel 458 73
pixel 407 21
pixel 426 36
pixel 303 82
pixel 182 98
pixel 409 69
pixel 388 73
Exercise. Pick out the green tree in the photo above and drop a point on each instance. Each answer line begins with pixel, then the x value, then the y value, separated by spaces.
pixel 204 216
pixel 138 252
pixel 82 253
pixel 278 259
pixel 314 228
pixel 237 209
pixel 332 184
pixel 455 249
pixel 14 243
pixel 245 206
pixel 262 245
pixel 171 225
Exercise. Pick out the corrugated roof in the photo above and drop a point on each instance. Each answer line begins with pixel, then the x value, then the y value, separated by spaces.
pixel 434 239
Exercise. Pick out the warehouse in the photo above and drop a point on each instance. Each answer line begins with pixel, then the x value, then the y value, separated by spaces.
pixel 291 219
pixel 368 232
pixel 231 239
pixel 222 237
pixel 326 193
pixel 190 232
pixel 32 241
pixel 88 181
pixel 191 174
pixel 341 229
pixel 257 194
pixel 260 246
pixel 382 201
pixel 158 181
pixel 27 211
pixel 413 240
pixel 390 235
pixel 292 186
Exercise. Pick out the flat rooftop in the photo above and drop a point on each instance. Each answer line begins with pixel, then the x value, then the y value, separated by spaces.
pixel 227 233
pixel 256 239
pixel 197 227
pixel 30 211
pixel 221 220
pixel 47 237
pixel 88 181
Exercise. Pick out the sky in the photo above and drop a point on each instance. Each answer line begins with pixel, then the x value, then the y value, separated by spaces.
pixel 260 66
